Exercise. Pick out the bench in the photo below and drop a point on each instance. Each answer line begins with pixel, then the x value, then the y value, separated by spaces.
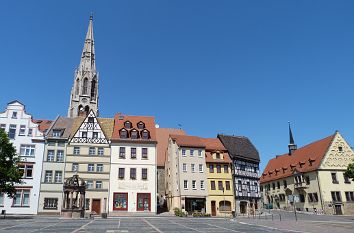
pixel 3 212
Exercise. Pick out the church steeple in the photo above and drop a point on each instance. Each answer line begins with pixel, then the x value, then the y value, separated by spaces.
pixel 84 93
pixel 292 146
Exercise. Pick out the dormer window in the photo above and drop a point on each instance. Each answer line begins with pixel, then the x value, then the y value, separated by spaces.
pixel 84 134
pixel 134 134
pixel 14 115
pixel 141 125
pixel 145 134
pixel 340 149
pixel 91 120
pixel 127 125
pixel 217 155
pixel 123 133
pixel 56 133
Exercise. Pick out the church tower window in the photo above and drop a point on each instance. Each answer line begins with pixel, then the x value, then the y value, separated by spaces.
pixel 85 86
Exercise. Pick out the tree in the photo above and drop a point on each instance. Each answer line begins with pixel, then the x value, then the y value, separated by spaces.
pixel 9 172
pixel 350 171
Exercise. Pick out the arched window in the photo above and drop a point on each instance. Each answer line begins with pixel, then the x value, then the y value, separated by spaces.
pixel 127 125
pixel 87 110
pixel 123 133
pixel 93 88
pixel 79 110
pixel 77 87
pixel 141 125
pixel 145 134
pixel 134 134
pixel 224 206
pixel 85 87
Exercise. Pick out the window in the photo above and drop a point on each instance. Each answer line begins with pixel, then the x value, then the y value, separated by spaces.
pixel 12 131
pixel 48 178
pixel 99 168
pixel 98 184
pixel 285 183
pixel 27 150
pixel 1 199
pixel 61 144
pixel 349 196
pixel 307 180
pixel 89 184
pixel 312 197
pixel 58 176
pixel 51 143
pixel 144 173
pixel 218 168
pixel 84 134
pixel 227 184
pixel 302 198
pixel 224 206
pixel 14 115
pixel 211 168
pixel 336 197
pixel 194 186
pixel 60 156
pixel 22 130
pixel 144 153
pixel 212 185
pixel 30 131
pixel 120 201
pixel 75 167
pixel 346 179
pixel 121 172
pixel 127 124
pixel 184 167
pixel 56 133
pixel 273 186
pixel 278 185
pixel 183 152
pixel 87 203
pixel 90 120
pixel 92 150
pixel 134 134
pixel 95 135
pixel 51 203
pixel 133 173
pixel 85 87
pixel 193 167
pixel 123 133
pixel 76 150
pixel 185 184
pixel 202 185
pixel 200 153
pixel 50 156
pixel 217 155
pixel 100 151
pixel 340 149
pixel 122 152
pixel 91 167
pixel 145 134
pixel 191 152
pixel 220 185
pixel 21 197
pixel 27 170
pixel 201 168
pixel 226 168
pixel 3 126
pixel 141 125
pixel 334 178
pixel 133 153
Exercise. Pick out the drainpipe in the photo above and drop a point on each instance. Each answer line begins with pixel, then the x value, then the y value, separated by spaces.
pixel 319 189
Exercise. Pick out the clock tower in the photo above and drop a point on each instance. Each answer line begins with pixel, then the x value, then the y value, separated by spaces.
pixel 84 93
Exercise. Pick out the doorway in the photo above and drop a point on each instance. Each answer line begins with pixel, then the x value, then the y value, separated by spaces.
pixel 144 202
pixel 213 208
pixel 96 206
pixel 243 207
pixel 338 210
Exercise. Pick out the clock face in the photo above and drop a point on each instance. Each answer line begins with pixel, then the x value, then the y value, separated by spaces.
pixel 84 100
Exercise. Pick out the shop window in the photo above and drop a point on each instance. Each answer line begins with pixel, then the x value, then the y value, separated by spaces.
pixel 120 201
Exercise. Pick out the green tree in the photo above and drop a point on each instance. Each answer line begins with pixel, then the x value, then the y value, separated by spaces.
pixel 9 172
pixel 350 171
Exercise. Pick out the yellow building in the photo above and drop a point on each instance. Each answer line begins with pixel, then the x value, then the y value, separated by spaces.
pixel 220 200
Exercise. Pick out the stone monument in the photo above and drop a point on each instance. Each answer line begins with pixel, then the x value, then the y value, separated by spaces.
pixel 74 197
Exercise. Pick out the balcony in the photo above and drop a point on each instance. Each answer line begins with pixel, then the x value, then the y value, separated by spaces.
pixel 301 185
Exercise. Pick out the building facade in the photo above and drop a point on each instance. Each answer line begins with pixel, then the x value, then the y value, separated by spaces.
pixel 311 178
pixel 220 200
pixel 51 191
pixel 186 180
pixel 84 93
pixel 245 159
pixel 25 135
pixel 88 154
pixel 133 180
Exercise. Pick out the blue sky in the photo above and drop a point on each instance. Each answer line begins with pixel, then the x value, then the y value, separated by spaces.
pixel 233 67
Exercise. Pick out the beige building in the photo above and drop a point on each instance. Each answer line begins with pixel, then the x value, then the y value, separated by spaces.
pixel 186 186
pixel 88 155
pixel 311 178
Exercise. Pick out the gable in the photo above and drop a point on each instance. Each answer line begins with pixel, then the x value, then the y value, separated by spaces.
pixel 90 131
pixel 339 154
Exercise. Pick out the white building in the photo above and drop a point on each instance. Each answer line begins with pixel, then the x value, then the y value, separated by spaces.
pixel 133 178
pixel 29 142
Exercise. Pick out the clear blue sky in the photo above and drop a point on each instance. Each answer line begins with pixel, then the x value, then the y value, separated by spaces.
pixel 233 67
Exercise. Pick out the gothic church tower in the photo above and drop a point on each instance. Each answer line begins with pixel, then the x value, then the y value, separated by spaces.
pixel 84 93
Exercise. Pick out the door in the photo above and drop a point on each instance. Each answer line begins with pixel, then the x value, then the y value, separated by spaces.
pixel 213 208
pixel 143 202
pixel 338 209
pixel 96 206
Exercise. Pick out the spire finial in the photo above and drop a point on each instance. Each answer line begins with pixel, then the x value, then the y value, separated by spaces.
pixel 292 146
pixel 91 15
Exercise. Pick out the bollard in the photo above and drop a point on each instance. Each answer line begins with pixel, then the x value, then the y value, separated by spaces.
pixel 280 217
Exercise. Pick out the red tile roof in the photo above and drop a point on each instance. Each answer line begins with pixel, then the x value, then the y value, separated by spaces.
pixel 43 125
pixel 162 136
pixel 119 120
pixel 188 141
pixel 304 159
pixel 212 145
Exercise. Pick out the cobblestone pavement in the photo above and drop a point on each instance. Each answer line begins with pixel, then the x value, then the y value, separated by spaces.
pixel 168 224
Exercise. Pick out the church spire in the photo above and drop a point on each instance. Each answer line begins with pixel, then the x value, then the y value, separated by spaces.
pixel 292 146
pixel 84 93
